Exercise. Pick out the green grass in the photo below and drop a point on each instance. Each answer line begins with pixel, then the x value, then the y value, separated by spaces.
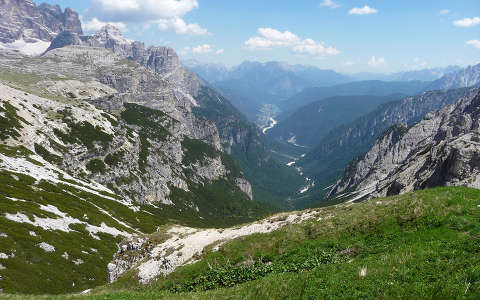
pixel 36 272
pixel 423 245
pixel 10 122
pixel 196 151
pixel 84 133
pixel 96 166
pixel 45 154
pixel 114 159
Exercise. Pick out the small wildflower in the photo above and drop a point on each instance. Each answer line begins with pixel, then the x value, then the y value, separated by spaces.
pixel 363 272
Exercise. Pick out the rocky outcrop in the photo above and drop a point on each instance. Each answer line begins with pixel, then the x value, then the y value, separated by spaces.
pixel 161 60
pixel 328 160
pixel 245 187
pixel 143 153
pixel 442 149
pixel 23 20
pixel 180 245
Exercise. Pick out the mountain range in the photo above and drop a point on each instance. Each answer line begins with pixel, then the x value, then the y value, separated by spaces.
pixel 132 135
pixel 311 114
pixel 125 173
pixel 429 74
pixel 251 85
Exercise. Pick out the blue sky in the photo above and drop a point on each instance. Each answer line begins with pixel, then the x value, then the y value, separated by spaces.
pixel 347 36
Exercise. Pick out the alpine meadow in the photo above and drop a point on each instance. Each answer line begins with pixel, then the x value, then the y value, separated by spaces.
pixel 201 149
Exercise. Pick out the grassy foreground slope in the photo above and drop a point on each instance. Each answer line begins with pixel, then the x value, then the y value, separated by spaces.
pixel 423 245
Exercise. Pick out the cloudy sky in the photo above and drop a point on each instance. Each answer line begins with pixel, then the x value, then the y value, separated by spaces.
pixel 347 36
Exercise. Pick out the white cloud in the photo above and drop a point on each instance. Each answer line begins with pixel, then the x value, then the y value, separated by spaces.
pixel 444 12
pixel 330 3
pixel 95 25
pixel 473 43
pixel 310 47
pixel 180 27
pixel 168 14
pixel 348 63
pixel 376 62
pixel 366 10
pixel 201 49
pixel 467 22
pixel 143 10
pixel 418 64
pixel 269 38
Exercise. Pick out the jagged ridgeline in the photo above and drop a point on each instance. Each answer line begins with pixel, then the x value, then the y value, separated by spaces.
pixel 440 150
pixel 349 142
pixel 102 138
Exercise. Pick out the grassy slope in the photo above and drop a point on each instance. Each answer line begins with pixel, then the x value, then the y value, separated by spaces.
pixel 53 273
pixel 420 245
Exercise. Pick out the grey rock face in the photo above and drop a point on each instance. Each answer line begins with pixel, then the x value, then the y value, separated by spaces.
pixel 108 81
pixel 348 141
pixel 65 38
pixel 161 60
pixel 245 187
pixel 186 86
pixel 22 19
pixel 442 149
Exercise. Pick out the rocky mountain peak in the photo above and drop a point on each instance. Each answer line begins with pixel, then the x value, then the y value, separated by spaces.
pixel 111 32
pixel 22 19
pixel 442 149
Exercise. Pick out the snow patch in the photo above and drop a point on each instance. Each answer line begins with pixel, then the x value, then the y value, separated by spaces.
pixel 32 49
pixel 46 247
pixel 63 224
pixel 51 173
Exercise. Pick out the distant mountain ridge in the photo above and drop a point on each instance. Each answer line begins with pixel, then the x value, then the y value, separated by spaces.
pixel 311 99
pixel 429 74
pixel 251 85
pixel 369 87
